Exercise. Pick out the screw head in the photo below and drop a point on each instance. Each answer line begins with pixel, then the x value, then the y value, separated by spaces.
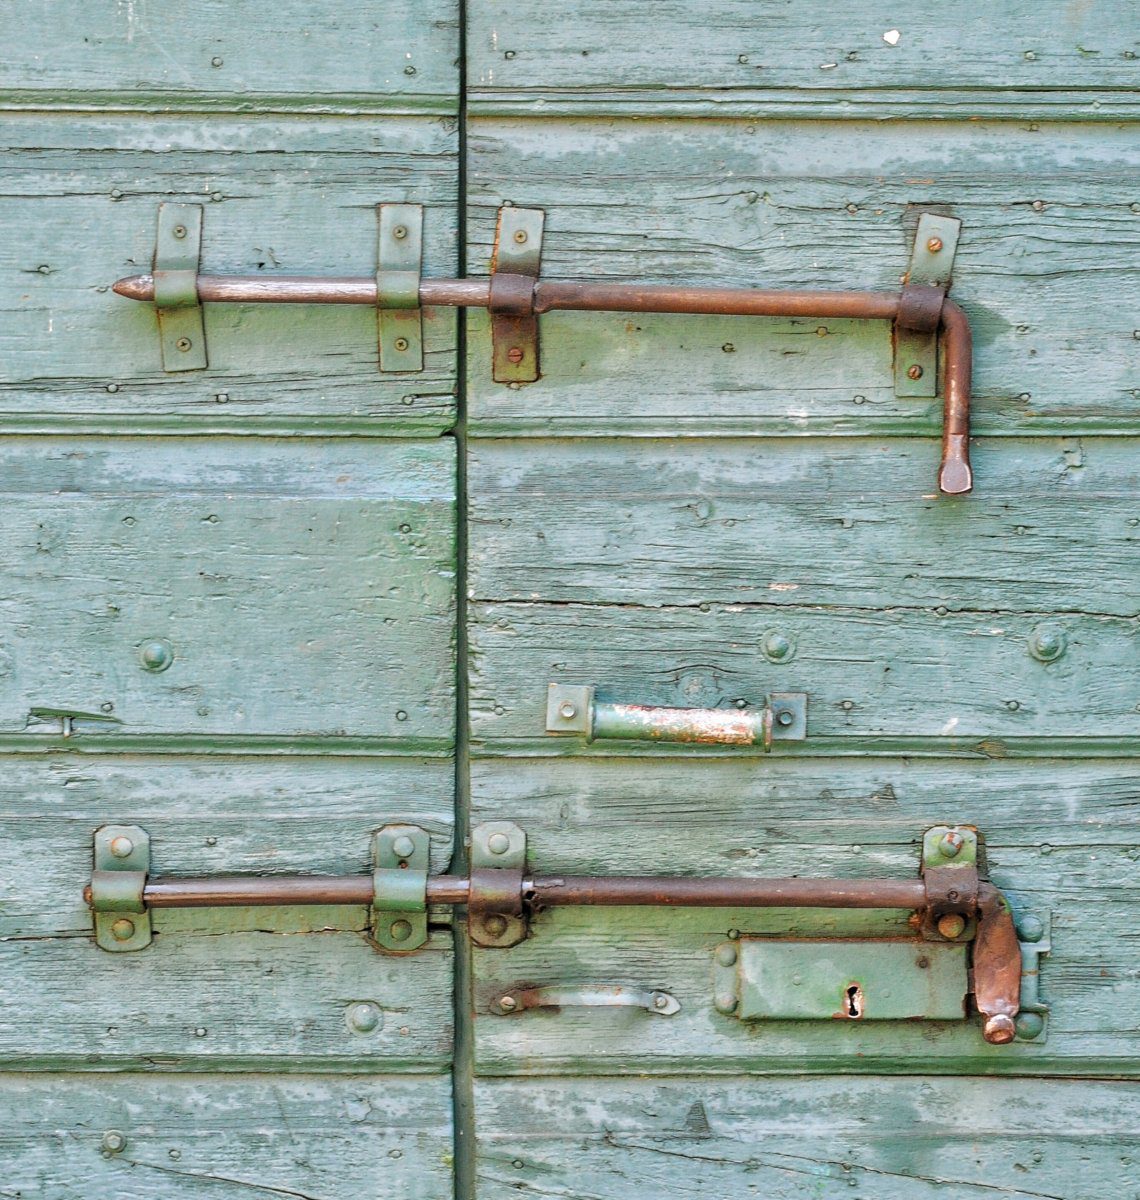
pixel 726 956
pixel 400 232
pixel 122 930
pixel 1029 1025
pixel 520 236
pixel 156 655
pixel 515 354
pixel 951 926
pixel 914 371
pixel 122 847
pixel 495 925
pixel 179 231
pixel 403 846
pixel 999 1029
pixel 113 1142
pixel 950 844
pixel 508 1003
pixel 400 931
pixel 400 344
pixel 364 1018
pixel 184 344
pixel 934 245
pixel 566 710
pixel 498 843
pixel 784 718
pixel 661 1001
pixel 725 1002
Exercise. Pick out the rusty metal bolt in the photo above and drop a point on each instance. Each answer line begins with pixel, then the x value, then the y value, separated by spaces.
pixel 508 1003
pixel 914 372
pixel 999 1029
pixel 950 844
pixel 515 354
pixel 951 926
pixel 934 245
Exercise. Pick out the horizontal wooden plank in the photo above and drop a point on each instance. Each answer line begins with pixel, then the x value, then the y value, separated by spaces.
pixel 208 54
pixel 789 1138
pixel 297 588
pixel 80 201
pixel 1047 250
pixel 1061 840
pixel 736 54
pixel 227 1137
pixel 867 674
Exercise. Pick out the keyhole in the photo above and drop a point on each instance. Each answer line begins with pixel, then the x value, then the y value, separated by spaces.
pixel 854 1008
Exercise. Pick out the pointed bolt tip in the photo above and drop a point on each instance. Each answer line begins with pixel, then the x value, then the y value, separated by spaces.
pixel 135 287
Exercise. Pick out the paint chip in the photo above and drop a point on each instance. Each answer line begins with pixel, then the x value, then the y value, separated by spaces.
pixel 891 37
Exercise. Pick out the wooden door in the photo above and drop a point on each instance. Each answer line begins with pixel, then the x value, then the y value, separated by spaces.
pixel 229 600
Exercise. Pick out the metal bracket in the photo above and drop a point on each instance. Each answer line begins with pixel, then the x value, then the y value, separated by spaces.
pixel 177 250
pixel 399 259
pixel 950 872
pixel 498 860
pixel 399 887
pixel 120 864
pixel 1034 937
pixel 514 270
pixel 927 281
pixel 587 995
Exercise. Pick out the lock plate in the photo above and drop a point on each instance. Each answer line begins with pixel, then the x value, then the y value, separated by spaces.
pixel 812 979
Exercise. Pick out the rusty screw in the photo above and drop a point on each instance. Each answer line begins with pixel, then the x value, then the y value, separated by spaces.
pixel 515 354
pixel 950 844
pixel 951 926
pixel 520 236
pixel 914 372
pixel 934 245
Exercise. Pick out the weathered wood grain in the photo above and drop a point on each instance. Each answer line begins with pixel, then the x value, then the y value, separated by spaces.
pixel 1006 60
pixel 304 588
pixel 793 1137
pixel 1049 220
pixel 79 202
pixel 194 1136
pixel 210 54
pixel 1061 839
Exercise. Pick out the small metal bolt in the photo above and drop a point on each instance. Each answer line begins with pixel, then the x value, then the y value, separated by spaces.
pixel 179 231
pixel 999 1029
pixel 785 718
pixel 201 1031
pixel 400 344
pixel 951 926
pixel 403 846
pixel 725 1002
pixel 520 236
pixel 184 344
pixel 1029 1025
pixel 122 847
pixel 934 245
pixel 216 62
pixel 1038 206
pixel 515 354
pixel 914 371
pixel 1031 929
pixel 498 843
pixel 1048 644
pixel 726 956
pixel 922 962
pixel 495 925
pixel 777 647
pixel 661 1001
pixel 122 930
pixel 400 232
pixel 950 844
pixel 364 1018
pixel 400 931
pixel 566 710
pixel 113 1142
pixel 156 655
pixel 1030 56
pixel 508 1003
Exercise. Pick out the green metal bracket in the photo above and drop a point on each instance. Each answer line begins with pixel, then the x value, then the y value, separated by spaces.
pixel 399 887
pixel 1034 936
pixel 399 261
pixel 498 860
pixel 949 846
pixel 931 266
pixel 514 269
pixel 177 251
pixel 119 870
pixel 950 868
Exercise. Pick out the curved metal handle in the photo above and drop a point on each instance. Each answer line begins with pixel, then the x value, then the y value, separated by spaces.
pixel 587 995
pixel 575 709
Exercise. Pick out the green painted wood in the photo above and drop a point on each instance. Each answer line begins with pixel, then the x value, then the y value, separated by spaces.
pixel 1061 839
pixel 1010 59
pixel 281 197
pixel 1049 213
pixel 303 588
pixel 209 55
pixel 191 1137
pixel 792 1138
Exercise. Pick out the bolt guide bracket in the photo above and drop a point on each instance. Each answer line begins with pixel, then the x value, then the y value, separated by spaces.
pixel 516 297
pixel 964 941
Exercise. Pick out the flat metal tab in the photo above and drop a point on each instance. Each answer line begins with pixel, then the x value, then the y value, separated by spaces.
pixel 569 709
pixel 400 863
pixel 120 862
pixel 816 980
pixel 931 264
pixel 497 846
pixel 177 252
pixel 587 995
pixel 788 716
pixel 514 335
pixel 399 259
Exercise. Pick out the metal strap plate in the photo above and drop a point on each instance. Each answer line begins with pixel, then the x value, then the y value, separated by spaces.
pixel 177 251
pixel 120 864
pixel 931 264
pixel 399 261
pixel 496 846
pixel 400 863
pixel 514 337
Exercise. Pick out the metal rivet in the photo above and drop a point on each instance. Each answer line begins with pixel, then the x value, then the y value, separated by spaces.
pixel 777 647
pixel 400 344
pixel 216 62
pixel 1047 644
pixel 914 371
pixel 1030 56
pixel 364 1018
pixel 200 1031
pixel 495 925
pixel 409 70
pixel 950 844
pixel 508 1003
pixel 934 245
pixel 1029 1025
pixel 520 236
pixel 403 846
pixel 498 843
pixel 400 232
pixel 1031 929
pixel 122 930
pixel 785 718
pixel 184 344
pixel 156 655
pixel 661 1001
pixel 113 1142
pixel 797 980
pixel 725 1002
pixel 122 847
pixel 922 962
pixel 951 926
pixel 566 710
pixel 515 354
pixel 400 931
pixel 1038 205
pixel 726 955
pixel 179 231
